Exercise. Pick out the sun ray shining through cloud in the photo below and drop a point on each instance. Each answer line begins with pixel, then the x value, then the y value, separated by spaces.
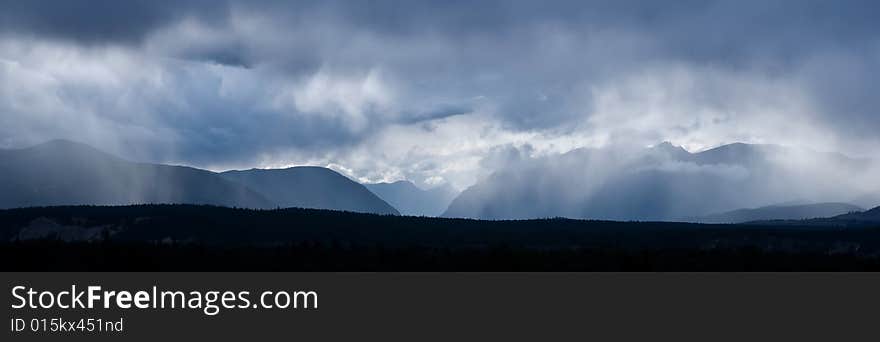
pixel 425 91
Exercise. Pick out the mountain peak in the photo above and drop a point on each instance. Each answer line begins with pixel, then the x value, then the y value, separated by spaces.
pixel 666 145
pixel 406 184
pixel 668 148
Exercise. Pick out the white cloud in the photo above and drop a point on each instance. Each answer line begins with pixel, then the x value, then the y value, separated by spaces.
pixel 355 99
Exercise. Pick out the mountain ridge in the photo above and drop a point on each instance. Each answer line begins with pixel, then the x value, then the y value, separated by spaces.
pixel 662 183
pixel 409 199
pixel 781 212
pixel 63 172
pixel 311 187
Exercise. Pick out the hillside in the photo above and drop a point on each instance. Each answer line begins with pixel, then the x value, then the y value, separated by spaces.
pixel 311 187
pixel 782 212
pixel 66 173
pixel 869 216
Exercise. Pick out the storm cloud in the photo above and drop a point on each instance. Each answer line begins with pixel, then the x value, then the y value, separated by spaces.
pixel 430 91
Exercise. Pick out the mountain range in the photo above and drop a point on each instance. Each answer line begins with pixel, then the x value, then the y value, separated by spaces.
pixel 660 183
pixel 663 183
pixel 63 172
pixel 782 212
pixel 857 219
pixel 67 173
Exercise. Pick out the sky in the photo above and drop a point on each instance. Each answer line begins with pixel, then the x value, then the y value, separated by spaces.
pixel 434 91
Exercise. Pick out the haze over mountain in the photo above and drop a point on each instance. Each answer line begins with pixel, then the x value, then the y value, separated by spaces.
pixel 782 212
pixel 311 187
pixel 63 172
pixel 664 182
pixel 412 200
pixel 867 200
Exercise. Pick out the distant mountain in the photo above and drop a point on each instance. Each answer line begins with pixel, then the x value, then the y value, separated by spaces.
pixel 63 172
pixel 867 200
pixel 661 183
pixel 782 212
pixel 869 216
pixel 737 153
pixel 861 219
pixel 413 201
pixel 311 187
pixel 67 173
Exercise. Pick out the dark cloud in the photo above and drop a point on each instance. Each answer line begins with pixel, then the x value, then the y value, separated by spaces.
pixel 231 82
pixel 708 30
pixel 436 112
pixel 101 21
